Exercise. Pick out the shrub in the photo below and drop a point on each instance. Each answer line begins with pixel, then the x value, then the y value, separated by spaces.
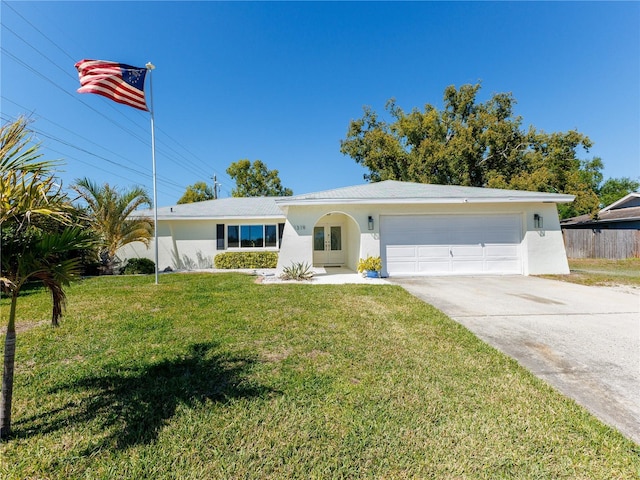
pixel 138 266
pixel 246 260
pixel 373 264
pixel 297 271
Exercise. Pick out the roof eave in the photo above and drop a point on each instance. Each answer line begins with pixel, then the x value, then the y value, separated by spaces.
pixel 602 221
pixel 413 200
pixel 620 201
pixel 171 216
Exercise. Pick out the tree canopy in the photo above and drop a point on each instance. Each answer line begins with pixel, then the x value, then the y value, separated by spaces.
pixel 198 192
pixel 256 180
pixel 472 143
pixel 614 189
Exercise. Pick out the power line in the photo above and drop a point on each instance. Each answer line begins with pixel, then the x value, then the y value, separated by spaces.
pixel 64 142
pixel 142 140
pixel 36 72
pixel 194 162
pixel 38 30
pixel 100 157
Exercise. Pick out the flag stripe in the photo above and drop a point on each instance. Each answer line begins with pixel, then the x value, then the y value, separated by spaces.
pixel 109 87
pixel 116 81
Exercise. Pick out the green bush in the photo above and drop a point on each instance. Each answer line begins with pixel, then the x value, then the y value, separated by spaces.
pixel 246 260
pixel 138 266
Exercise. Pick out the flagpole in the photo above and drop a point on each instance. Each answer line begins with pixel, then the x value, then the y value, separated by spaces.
pixel 150 66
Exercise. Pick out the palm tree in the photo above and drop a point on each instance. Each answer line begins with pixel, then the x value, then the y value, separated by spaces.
pixel 26 186
pixel 109 211
pixel 29 191
pixel 31 254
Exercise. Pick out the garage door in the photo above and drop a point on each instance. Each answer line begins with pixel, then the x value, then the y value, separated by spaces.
pixel 451 245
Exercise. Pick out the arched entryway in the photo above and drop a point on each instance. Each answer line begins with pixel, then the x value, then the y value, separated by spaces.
pixel 336 241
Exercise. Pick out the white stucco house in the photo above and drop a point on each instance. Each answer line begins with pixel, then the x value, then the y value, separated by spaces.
pixel 416 229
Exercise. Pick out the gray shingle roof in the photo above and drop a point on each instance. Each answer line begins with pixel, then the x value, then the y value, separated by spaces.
pixel 391 191
pixel 630 214
pixel 250 207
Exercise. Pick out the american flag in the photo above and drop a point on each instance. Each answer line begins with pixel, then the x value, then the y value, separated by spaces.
pixel 116 81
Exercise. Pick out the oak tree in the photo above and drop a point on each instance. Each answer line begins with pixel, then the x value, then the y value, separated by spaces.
pixel 256 180
pixel 473 143
pixel 198 192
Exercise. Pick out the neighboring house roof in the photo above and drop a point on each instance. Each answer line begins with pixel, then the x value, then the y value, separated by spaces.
pixel 222 208
pixel 626 209
pixel 392 191
pixel 630 200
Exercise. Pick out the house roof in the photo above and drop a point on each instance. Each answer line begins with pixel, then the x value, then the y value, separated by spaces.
pixel 627 209
pixel 392 191
pixel 223 208
pixel 389 191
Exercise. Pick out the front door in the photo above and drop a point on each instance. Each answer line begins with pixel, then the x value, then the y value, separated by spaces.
pixel 327 245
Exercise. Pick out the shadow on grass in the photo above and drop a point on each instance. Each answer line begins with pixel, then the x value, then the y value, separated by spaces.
pixel 130 407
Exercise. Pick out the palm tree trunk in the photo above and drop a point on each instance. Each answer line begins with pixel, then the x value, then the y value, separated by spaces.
pixel 7 373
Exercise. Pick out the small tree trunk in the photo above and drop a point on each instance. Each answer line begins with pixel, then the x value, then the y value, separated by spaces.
pixel 7 373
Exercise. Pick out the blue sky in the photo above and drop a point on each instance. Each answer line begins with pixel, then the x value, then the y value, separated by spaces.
pixel 280 82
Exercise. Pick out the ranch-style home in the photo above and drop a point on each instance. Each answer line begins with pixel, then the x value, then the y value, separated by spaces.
pixel 416 229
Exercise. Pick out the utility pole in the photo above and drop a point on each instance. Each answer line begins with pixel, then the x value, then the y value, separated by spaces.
pixel 215 187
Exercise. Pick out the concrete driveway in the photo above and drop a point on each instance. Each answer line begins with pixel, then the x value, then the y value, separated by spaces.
pixel 585 341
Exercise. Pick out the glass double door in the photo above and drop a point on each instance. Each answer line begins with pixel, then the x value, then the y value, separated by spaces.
pixel 327 245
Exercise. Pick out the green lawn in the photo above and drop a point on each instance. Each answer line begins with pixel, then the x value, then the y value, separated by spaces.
pixel 602 272
pixel 214 376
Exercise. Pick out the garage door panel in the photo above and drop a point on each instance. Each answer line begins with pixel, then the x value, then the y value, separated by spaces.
pixel 504 266
pixel 501 251
pixel 466 251
pixel 404 267
pixel 401 251
pixel 428 237
pixel 467 266
pixel 502 236
pixel 427 251
pixel 435 267
pixel 453 244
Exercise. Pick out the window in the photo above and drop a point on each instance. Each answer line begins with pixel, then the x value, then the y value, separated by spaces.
pixel 280 232
pixel 220 236
pixel 233 237
pixel 269 235
pixel 253 236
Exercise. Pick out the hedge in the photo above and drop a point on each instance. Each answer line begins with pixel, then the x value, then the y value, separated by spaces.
pixel 246 260
pixel 138 266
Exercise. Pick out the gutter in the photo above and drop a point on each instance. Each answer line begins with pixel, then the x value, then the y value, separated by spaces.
pixel 423 201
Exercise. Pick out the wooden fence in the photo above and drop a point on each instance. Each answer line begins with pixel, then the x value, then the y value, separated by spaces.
pixel 613 244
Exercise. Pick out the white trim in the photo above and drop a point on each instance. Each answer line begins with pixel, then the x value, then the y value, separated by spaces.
pixel 621 201
pixel 425 201
pixel 227 217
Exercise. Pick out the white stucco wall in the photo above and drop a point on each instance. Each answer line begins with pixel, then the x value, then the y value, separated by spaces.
pixel 182 245
pixel 542 249
pixel 545 252
pixel 189 244
pixel 186 244
pixel 297 241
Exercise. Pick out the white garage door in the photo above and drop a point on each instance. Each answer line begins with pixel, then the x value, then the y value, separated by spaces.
pixel 451 244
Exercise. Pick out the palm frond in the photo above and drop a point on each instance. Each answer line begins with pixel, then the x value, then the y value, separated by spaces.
pixel 17 150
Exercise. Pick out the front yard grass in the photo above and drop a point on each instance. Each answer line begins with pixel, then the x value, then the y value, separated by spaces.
pixel 602 272
pixel 213 376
